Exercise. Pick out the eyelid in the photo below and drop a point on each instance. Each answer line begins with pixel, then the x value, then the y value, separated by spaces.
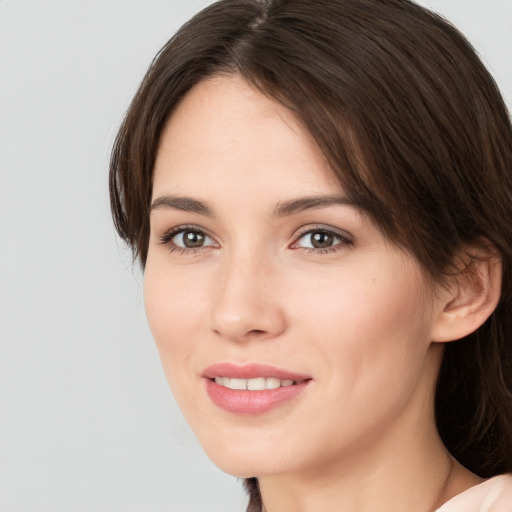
pixel 346 239
pixel 345 235
pixel 168 235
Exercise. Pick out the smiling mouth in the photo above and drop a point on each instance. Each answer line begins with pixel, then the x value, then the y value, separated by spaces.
pixel 252 389
pixel 255 384
pixel 253 396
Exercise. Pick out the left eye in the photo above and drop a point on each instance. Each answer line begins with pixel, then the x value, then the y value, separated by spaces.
pixel 320 239
pixel 191 239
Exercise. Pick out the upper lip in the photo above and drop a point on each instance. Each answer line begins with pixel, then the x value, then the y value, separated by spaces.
pixel 250 371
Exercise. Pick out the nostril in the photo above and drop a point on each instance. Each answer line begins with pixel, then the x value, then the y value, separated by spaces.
pixel 237 320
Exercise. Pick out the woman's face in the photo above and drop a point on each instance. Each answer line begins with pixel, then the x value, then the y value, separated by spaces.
pixel 261 273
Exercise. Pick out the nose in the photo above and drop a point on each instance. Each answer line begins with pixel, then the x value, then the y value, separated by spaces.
pixel 247 305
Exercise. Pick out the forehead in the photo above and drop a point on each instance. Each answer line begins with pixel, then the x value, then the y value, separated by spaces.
pixel 225 131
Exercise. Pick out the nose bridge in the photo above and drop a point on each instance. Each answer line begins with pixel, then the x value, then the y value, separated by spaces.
pixel 247 305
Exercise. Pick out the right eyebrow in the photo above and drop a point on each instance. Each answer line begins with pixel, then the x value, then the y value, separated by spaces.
pixel 186 204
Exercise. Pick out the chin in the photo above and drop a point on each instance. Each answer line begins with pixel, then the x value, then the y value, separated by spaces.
pixel 251 460
pixel 246 468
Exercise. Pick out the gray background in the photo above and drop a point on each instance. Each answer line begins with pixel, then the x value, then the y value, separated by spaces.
pixel 86 420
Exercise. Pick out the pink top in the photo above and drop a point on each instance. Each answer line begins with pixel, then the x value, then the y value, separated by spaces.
pixel 493 495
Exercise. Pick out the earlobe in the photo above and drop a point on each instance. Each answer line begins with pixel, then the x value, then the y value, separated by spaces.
pixel 470 299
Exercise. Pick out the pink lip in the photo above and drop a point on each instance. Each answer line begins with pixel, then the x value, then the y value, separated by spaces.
pixel 251 402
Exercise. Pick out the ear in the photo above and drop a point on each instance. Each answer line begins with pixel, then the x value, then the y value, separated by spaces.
pixel 472 296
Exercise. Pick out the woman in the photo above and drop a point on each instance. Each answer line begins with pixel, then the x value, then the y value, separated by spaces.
pixel 320 194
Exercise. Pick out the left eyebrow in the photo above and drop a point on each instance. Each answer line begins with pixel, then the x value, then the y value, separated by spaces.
pixel 307 203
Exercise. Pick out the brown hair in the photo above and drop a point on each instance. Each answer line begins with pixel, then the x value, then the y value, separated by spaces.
pixel 413 126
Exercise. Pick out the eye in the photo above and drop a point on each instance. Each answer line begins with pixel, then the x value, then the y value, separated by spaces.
pixel 187 238
pixel 321 240
pixel 190 239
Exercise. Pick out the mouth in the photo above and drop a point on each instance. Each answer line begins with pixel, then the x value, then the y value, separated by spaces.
pixel 252 389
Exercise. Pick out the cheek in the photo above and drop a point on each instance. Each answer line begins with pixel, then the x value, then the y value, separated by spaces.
pixel 368 327
pixel 367 338
pixel 360 304
pixel 175 309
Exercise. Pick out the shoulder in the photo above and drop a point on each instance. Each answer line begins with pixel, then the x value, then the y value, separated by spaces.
pixel 493 495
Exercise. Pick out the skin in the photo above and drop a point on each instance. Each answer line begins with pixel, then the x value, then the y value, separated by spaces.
pixel 358 316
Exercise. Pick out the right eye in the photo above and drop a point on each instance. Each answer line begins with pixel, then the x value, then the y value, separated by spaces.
pixel 187 239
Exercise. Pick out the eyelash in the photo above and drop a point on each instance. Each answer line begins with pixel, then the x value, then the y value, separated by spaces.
pixel 167 239
pixel 344 240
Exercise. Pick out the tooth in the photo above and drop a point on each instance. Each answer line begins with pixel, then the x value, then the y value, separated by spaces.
pixel 238 384
pixel 272 383
pixel 256 384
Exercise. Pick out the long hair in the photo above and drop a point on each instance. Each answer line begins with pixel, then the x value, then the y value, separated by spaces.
pixel 412 125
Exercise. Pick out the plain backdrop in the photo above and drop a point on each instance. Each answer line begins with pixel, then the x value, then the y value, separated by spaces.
pixel 86 420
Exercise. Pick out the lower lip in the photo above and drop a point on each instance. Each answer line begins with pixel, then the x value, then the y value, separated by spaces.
pixel 251 402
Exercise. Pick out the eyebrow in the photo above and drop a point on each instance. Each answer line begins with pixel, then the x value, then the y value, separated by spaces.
pixel 282 209
pixel 186 204
pixel 307 203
